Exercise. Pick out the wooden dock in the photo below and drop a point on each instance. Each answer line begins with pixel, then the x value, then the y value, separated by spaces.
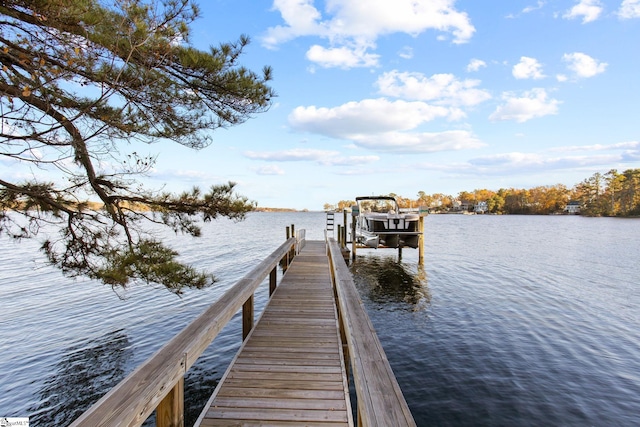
pixel 290 369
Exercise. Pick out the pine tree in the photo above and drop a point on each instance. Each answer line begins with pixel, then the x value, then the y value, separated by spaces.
pixel 80 80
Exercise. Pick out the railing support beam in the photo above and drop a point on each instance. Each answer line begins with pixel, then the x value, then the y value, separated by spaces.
pixel 170 411
pixel 247 317
pixel 273 281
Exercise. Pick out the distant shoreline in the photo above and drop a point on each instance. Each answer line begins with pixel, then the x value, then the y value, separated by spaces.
pixel 263 209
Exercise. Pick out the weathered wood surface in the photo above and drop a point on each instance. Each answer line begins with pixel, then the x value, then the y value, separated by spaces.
pixel 290 370
pixel 379 398
pixel 132 401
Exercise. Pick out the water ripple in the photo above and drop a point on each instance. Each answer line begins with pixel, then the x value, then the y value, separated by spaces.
pixel 512 321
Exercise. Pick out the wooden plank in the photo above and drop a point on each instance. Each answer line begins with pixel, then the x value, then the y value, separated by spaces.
pixel 311 323
pixel 284 330
pixel 278 377
pixel 290 361
pixel 288 342
pixel 278 414
pixel 290 370
pixel 254 423
pixel 268 402
pixel 277 354
pixel 284 384
pixel 230 391
pixel 265 348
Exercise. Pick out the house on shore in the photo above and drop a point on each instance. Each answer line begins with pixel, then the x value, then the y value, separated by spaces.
pixel 480 208
pixel 572 208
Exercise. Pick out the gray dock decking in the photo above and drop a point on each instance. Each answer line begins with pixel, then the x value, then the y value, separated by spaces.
pixel 290 369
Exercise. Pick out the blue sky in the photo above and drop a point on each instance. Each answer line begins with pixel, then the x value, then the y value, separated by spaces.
pixel 402 96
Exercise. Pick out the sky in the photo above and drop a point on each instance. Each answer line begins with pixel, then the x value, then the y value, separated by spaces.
pixel 402 96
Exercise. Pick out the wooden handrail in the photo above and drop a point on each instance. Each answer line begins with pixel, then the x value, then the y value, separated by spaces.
pixel 301 237
pixel 380 401
pixel 158 382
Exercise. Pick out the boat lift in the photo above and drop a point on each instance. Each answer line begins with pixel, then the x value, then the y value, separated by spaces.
pixel 379 243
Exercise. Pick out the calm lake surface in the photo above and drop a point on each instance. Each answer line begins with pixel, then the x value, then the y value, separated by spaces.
pixel 513 321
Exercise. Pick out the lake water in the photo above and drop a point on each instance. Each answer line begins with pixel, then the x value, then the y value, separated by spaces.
pixel 513 320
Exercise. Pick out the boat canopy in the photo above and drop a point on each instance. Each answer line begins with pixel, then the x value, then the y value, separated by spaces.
pixel 377 204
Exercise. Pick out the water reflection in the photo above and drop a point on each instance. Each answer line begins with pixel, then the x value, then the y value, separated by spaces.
pixel 86 372
pixel 387 280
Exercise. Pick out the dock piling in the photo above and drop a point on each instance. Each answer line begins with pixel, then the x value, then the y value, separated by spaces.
pixel 423 211
pixel 355 211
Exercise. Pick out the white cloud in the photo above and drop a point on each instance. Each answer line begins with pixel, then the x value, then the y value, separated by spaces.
pixel 627 145
pixel 323 157
pixel 342 57
pixel 583 65
pixel 629 9
pixel 589 10
pixel 296 154
pixel 444 89
pixel 373 18
pixel 349 160
pixel 475 65
pixel 369 116
pixel 529 9
pixel 196 177
pixel 381 125
pixel 301 18
pixel 269 170
pixel 532 104
pixel 406 52
pixel 523 163
pixel 528 68
pixel 357 25
pixel 569 158
pixel 514 160
pixel 423 142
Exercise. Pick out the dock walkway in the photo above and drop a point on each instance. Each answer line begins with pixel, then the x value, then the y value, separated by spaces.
pixel 290 369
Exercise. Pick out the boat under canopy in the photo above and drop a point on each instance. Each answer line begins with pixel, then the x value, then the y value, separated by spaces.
pixel 379 223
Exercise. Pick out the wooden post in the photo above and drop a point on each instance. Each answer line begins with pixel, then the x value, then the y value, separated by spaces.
pixel 247 317
pixel 344 226
pixel 423 211
pixel 353 233
pixel 272 281
pixel 170 411
pixel 344 236
pixel 285 259
pixel 343 339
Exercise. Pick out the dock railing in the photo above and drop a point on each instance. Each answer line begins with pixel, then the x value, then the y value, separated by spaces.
pixel 379 399
pixel 158 384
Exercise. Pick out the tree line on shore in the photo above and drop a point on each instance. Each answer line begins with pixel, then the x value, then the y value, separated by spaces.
pixel 609 194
